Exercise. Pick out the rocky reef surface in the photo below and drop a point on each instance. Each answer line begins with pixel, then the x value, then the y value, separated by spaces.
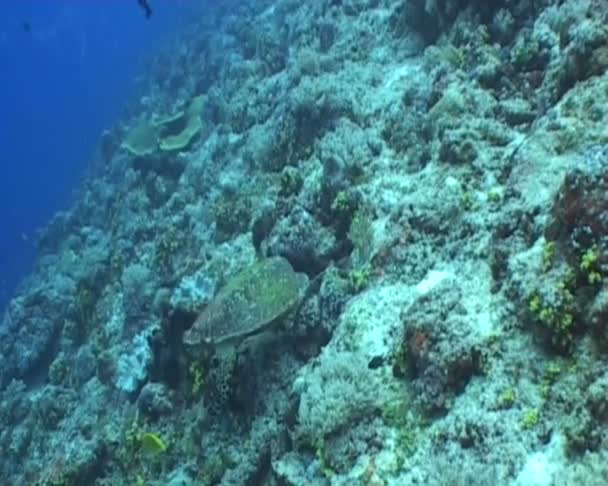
pixel 432 176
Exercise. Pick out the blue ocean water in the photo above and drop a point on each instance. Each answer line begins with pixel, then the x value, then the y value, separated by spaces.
pixel 68 68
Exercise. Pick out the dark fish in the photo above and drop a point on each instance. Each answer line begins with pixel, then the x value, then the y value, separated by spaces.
pixel 26 26
pixel 146 7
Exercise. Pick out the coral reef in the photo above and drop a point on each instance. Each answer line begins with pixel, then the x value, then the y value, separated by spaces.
pixel 415 193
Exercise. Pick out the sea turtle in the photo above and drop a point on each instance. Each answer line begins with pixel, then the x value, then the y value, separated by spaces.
pixel 251 302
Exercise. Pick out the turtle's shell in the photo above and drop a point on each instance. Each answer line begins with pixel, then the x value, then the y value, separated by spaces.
pixel 249 303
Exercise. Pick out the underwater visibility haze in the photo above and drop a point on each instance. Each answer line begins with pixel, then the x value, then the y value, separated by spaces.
pixel 301 243
pixel 68 69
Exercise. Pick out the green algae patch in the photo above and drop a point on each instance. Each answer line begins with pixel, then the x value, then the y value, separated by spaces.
pixel 250 303
pixel 142 139
pixel 196 106
pixel 170 120
pixel 182 139
pixel 168 134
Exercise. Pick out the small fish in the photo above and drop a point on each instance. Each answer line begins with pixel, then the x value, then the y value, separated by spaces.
pixel 146 7
pixel 152 443
pixel 26 26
